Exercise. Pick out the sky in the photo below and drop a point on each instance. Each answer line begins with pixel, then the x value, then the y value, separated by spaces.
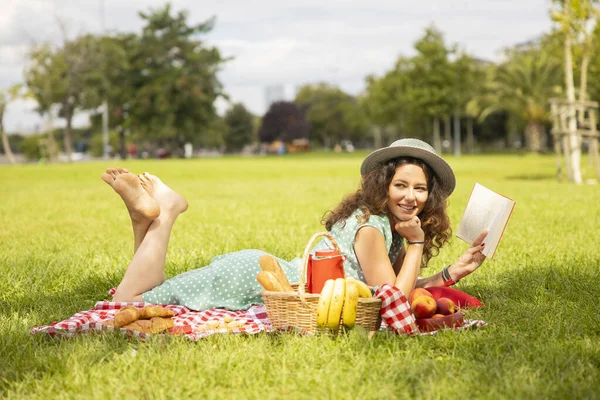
pixel 277 43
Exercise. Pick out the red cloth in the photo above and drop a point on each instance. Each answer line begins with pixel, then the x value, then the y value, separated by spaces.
pixel 461 299
pixel 395 310
pixel 398 317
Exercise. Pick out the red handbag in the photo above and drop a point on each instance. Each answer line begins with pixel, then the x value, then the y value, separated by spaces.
pixel 324 265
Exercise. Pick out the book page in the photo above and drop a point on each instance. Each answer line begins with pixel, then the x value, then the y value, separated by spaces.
pixel 485 211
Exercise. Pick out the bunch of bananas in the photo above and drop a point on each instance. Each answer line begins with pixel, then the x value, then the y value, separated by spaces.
pixel 339 298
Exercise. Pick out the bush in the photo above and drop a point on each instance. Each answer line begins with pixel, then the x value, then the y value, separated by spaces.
pixel 96 148
pixel 30 147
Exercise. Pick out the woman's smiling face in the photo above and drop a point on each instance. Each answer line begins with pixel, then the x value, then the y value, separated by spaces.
pixel 408 192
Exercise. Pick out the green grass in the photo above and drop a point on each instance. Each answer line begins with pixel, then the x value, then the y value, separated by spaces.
pixel 66 239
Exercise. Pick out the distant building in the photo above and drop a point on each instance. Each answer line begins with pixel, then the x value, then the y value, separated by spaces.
pixel 273 94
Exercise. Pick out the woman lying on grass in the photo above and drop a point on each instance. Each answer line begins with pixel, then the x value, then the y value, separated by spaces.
pixel 388 229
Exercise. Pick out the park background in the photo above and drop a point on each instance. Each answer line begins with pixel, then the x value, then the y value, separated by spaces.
pixel 265 180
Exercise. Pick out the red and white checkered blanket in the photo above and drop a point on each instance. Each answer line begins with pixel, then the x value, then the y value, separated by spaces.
pixel 185 321
pixel 396 316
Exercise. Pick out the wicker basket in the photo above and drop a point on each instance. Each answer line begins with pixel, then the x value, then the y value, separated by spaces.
pixel 299 309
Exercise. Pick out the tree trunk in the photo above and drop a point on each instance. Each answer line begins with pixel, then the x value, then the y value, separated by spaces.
pixel 534 132
pixel 470 137
pixel 105 134
pixel 437 140
pixel 52 146
pixel 377 142
pixel 67 138
pixel 447 132
pixel 585 63
pixel 5 142
pixel 122 144
pixel 573 147
pixel 457 134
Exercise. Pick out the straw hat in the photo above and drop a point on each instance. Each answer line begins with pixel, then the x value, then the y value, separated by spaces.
pixel 412 148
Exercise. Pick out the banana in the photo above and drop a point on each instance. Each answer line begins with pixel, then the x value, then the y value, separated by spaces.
pixel 363 290
pixel 350 304
pixel 324 302
pixel 337 302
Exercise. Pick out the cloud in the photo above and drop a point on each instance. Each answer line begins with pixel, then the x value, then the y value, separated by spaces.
pixel 288 43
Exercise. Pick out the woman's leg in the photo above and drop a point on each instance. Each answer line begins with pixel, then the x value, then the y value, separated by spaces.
pixel 147 268
pixel 143 209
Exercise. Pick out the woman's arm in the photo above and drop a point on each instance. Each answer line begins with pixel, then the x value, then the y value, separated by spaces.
pixel 372 255
pixel 468 262
pixel 430 281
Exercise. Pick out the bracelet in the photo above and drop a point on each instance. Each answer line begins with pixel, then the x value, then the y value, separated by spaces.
pixel 448 281
pixel 415 242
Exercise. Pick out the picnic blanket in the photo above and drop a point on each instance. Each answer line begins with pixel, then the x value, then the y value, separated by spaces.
pixel 396 317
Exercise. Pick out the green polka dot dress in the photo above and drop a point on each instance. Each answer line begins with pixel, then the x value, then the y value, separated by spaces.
pixel 229 280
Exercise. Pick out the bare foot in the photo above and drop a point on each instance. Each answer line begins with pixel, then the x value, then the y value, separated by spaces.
pixel 169 200
pixel 143 209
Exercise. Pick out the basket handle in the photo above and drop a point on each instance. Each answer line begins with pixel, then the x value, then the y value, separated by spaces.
pixel 309 245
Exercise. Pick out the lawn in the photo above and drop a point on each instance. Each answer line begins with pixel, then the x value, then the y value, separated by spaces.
pixel 66 239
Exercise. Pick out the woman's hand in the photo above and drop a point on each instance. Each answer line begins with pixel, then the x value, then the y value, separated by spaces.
pixel 410 230
pixel 470 260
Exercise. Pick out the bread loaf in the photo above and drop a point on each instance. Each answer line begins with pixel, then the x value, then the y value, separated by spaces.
pixel 270 264
pixel 141 325
pixel 269 282
pixel 151 326
pixel 110 322
pixel 126 315
pixel 155 311
pixel 161 324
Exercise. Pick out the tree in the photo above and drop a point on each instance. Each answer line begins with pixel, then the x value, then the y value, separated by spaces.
pixel 523 86
pixel 64 76
pixel 417 92
pixel 432 80
pixel 240 127
pixel 577 20
pixel 174 77
pixel 213 134
pixel 7 96
pixel 333 115
pixel 468 82
pixel 284 121
pixel 114 77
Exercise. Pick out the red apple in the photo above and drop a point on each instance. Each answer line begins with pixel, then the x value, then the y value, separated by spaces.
pixel 423 307
pixel 418 292
pixel 445 306
pixel 438 316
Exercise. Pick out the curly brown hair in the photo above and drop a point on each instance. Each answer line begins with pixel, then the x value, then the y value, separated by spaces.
pixel 372 198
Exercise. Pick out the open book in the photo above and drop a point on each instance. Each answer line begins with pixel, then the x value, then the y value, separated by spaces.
pixel 485 211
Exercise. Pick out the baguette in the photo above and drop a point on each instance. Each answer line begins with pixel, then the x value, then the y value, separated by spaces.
pixel 161 324
pixel 110 322
pixel 126 315
pixel 268 281
pixel 154 325
pixel 141 325
pixel 270 264
pixel 149 312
